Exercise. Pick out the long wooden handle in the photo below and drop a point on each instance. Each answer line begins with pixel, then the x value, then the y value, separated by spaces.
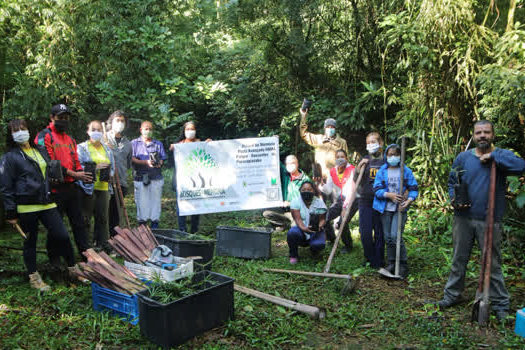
pixel 489 232
pixel 312 311
pixel 19 229
pixel 346 214
pixel 399 210
pixel 309 273
pixel 120 196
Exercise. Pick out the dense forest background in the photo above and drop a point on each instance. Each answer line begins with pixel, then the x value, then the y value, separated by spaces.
pixel 420 68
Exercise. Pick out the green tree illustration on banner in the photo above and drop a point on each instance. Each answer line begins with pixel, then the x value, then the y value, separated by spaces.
pixel 197 166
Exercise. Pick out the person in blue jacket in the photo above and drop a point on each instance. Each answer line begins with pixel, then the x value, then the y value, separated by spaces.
pixel 386 201
pixel 471 170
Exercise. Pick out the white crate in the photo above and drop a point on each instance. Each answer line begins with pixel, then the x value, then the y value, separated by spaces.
pixel 184 268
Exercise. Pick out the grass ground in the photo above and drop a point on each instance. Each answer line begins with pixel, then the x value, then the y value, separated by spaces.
pixel 380 313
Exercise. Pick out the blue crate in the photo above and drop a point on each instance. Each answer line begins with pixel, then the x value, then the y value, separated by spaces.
pixel 520 323
pixel 119 304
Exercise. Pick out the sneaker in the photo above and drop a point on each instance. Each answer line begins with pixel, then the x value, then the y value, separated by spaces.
pixel 501 315
pixel 446 303
pixel 293 261
pixel 279 229
pixel 154 225
pixel 36 282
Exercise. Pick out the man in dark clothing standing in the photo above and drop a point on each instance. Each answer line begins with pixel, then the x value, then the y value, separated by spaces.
pixel 68 196
pixel 472 169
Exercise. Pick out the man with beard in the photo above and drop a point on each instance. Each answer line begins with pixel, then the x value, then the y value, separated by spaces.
pixel 471 170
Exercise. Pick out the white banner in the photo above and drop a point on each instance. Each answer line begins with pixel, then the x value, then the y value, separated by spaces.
pixel 229 175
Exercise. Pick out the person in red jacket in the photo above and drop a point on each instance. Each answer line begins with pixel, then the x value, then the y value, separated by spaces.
pixel 67 194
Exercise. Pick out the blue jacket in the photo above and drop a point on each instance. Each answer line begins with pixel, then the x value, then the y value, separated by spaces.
pixel 476 176
pixel 381 185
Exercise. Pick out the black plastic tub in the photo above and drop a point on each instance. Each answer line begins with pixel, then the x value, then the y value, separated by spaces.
pixel 249 243
pixel 183 246
pixel 174 323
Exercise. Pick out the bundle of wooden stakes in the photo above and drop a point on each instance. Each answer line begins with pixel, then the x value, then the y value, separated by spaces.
pixel 103 270
pixel 135 244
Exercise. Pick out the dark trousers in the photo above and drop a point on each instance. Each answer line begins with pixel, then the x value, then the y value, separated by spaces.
pixel 372 237
pixel 182 222
pixel 69 201
pixel 56 231
pixel 334 211
pixel 114 215
pixel 297 238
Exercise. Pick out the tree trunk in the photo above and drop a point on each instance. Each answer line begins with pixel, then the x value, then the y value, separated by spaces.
pixel 510 17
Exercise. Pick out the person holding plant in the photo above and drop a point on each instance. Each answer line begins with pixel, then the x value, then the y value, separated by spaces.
pixel 340 185
pixel 188 134
pixel 292 178
pixel 25 189
pixel 370 226
pixel 121 148
pixel 388 197
pixel 471 172
pixel 309 214
pixel 96 193
pixel 147 158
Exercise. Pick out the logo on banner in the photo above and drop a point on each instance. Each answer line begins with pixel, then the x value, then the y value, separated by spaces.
pixel 198 167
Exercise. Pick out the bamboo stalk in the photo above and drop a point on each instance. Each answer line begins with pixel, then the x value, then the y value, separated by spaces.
pixel 312 311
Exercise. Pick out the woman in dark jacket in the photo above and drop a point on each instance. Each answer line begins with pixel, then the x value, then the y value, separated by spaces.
pixel 24 185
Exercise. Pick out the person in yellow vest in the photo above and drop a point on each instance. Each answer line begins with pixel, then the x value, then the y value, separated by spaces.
pixel 97 158
pixel 25 188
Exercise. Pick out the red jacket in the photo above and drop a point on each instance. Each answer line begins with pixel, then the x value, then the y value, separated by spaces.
pixel 60 146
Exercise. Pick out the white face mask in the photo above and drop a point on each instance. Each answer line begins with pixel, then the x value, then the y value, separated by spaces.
pixel 20 136
pixel 329 132
pixel 190 134
pixel 291 168
pixel 372 147
pixel 117 126
pixel 95 135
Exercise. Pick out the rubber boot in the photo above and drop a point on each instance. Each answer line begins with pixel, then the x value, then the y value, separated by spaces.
pixel 36 282
pixel 403 269
pixel 391 258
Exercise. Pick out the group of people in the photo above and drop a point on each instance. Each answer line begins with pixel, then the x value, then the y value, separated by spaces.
pixel 52 176
pixel 43 180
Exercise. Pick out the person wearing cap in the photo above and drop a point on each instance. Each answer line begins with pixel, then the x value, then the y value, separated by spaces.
pixel 120 145
pixel 147 157
pixel 67 194
pixel 325 145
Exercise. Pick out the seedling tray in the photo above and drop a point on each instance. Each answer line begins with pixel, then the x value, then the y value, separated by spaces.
pixel 240 242
pixel 118 304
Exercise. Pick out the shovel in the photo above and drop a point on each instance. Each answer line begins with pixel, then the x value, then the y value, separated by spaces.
pixel 382 271
pixel 481 308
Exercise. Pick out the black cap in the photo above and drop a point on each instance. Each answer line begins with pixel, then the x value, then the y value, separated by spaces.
pixel 60 109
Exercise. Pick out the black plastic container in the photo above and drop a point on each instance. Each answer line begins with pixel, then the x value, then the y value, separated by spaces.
pixel 240 242
pixel 174 323
pixel 183 246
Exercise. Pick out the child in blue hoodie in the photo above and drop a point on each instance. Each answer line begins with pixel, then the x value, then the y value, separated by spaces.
pixel 388 197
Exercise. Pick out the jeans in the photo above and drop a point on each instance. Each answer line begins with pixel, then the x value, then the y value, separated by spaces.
pixel 297 238
pixel 56 230
pixel 182 222
pixel 334 211
pixel 114 214
pixel 69 199
pixel 97 205
pixel 372 237
pixel 465 231
pixel 389 220
pixel 148 200
pixel 279 217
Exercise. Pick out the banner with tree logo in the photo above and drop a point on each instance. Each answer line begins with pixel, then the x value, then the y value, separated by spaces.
pixel 228 175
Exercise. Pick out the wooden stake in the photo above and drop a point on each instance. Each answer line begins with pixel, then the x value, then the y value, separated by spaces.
pixel 308 273
pixel 312 311
pixel 346 214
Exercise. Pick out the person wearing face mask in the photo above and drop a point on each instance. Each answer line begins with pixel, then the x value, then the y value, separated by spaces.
pixel 292 179
pixel 121 148
pixel 60 146
pixel 472 169
pixel 325 145
pixel 308 212
pixel 147 158
pixel 25 188
pixel 388 196
pixel 339 185
pixel 96 193
pixel 188 134
pixel 370 226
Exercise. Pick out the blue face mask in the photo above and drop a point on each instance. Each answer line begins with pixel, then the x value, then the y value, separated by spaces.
pixel 330 132
pixel 393 160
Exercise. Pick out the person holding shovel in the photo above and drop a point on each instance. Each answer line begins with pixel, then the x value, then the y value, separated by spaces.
pixel 469 177
pixel 25 188
pixel 388 196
